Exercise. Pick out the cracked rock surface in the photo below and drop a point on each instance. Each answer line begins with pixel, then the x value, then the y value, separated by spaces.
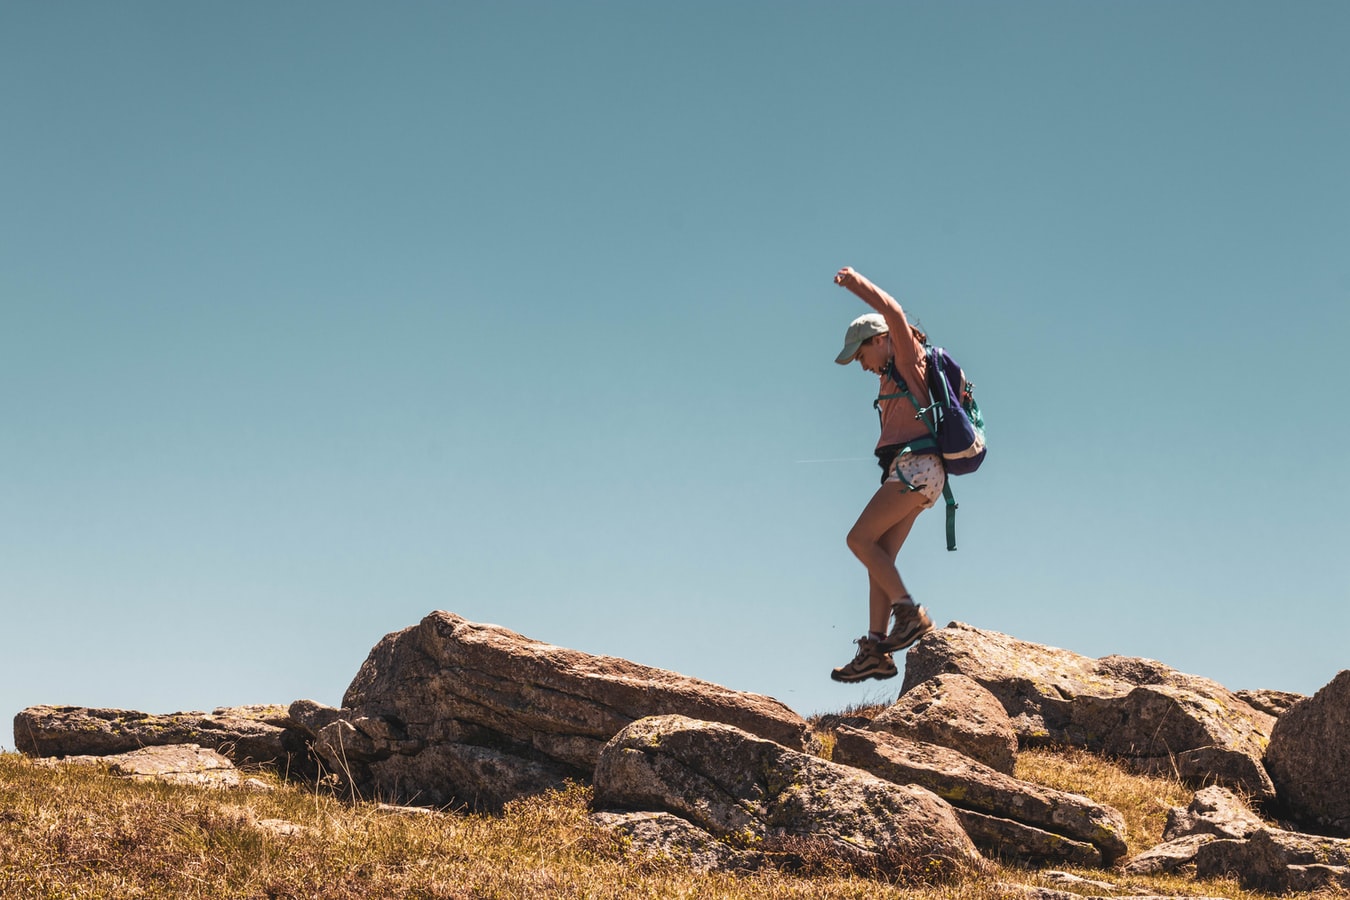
pixel 456 712
pixel 752 792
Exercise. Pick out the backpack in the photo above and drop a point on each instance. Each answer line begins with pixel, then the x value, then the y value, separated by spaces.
pixel 959 426
pixel 954 422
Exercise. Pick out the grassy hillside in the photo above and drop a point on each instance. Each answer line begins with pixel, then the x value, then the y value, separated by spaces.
pixel 73 832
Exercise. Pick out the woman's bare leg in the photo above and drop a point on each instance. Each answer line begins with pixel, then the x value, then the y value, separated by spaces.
pixel 876 539
pixel 879 601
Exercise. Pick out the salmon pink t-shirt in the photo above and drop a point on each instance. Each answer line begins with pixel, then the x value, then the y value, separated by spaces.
pixel 899 424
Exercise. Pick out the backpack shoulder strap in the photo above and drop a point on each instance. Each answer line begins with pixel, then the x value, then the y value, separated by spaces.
pixel 919 413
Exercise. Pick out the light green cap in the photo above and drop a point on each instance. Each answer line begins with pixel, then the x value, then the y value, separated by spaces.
pixel 859 330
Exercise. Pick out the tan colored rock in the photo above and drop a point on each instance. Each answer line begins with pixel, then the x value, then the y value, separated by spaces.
pixel 566 702
pixel 736 785
pixel 1309 758
pixel 451 711
pixel 957 712
pixel 965 783
pixel 1138 710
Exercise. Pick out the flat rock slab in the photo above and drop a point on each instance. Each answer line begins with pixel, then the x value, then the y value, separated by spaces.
pixel 186 764
pixel 1011 841
pixel 261 734
pixel 969 785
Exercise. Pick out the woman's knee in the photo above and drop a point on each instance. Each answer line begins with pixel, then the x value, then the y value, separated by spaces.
pixel 860 543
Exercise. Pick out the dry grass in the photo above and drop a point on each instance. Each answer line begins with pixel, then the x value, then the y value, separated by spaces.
pixel 73 832
pixel 1143 799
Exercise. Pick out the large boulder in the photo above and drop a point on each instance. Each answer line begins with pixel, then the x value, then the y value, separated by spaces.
pixel 1138 710
pixel 247 735
pixel 1309 758
pixel 450 711
pixel 957 712
pixel 1003 813
pixel 749 791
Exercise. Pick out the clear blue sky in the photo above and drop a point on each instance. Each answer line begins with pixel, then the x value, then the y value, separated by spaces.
pixel 320 316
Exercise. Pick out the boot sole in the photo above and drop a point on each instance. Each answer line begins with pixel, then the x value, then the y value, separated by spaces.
pixel 850 679
pixel 891 648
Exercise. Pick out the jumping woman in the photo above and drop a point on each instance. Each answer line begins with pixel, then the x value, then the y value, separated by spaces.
pixel 884 343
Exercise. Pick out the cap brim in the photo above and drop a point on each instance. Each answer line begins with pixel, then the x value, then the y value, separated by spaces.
pixel 849 353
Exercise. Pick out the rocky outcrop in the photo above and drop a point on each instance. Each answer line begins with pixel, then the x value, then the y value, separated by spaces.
pixel 453 713
pixel 1309 759
pixel 1214 813
pixel 247 735
pixel 1137 710
pixel 450 711
pixel 1002 813
pixel 1278 861
pixel 957 712
pixel 1217 835
pixel 745 791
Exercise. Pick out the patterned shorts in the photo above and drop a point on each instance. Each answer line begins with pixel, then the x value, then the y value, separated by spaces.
pixel 924 471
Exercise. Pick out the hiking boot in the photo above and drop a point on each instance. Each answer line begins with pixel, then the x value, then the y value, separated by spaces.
pixel 871 662
pixel 911 623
